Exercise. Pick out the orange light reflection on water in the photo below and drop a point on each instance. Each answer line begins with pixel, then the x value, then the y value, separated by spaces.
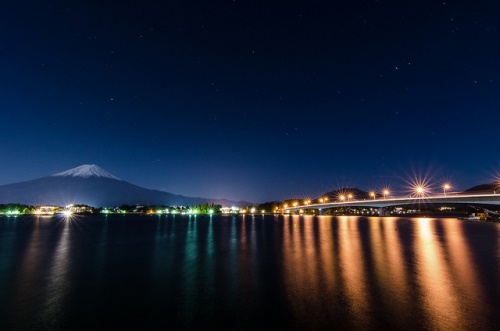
pixel 352 265
pixel 442 310
pixel 366 267
pixel 396 278
pixel 388 268
pixel 463 270
pixel 305 265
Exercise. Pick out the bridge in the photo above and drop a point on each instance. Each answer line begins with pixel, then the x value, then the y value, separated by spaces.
pixel 473 199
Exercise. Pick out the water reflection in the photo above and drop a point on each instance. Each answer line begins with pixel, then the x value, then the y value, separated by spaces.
pixel 189 264
pixel 101 253
pixel 58 281
pixel 392 270
pixel 381 272
pixel 308 268
pixel 246 272
pixel 462 270
pixel 27 278
pixel 434 278
pixel 353 264
pixel 8 255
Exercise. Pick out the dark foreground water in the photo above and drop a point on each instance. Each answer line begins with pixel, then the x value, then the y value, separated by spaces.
pixel 150 272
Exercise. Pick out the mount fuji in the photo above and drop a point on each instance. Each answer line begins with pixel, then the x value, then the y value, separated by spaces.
pixel 86 171
pixel 91 185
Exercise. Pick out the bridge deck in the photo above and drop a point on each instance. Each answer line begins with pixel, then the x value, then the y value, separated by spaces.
pixel 484 199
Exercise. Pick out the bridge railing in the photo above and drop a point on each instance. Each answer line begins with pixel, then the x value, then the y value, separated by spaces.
pixel 421 198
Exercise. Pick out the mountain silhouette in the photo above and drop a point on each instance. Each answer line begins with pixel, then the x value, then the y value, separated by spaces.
pixel 94 186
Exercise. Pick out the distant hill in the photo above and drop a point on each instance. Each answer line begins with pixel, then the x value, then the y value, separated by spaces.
pixel 94 186
pixel 491 187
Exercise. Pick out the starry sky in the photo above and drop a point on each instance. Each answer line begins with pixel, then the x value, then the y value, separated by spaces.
pixel 254 100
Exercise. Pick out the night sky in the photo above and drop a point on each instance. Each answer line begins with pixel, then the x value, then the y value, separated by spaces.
pixel 254 100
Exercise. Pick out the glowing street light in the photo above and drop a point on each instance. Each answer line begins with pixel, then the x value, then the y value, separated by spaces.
pixel 326 198
pixel 295 204
pixel 372 194
pixel 420 190
pixel 321 200
pixel 349 197
pixel 446 187
pixel 342 198
pixel 385 193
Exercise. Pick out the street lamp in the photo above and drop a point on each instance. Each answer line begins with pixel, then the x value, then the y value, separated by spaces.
pixel 446 187
pixel 385 192
pixel 372 194
pixel 342 198
pixel 349 197
pixel 420 190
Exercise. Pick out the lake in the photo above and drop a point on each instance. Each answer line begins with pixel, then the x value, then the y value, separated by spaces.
pixel 248 272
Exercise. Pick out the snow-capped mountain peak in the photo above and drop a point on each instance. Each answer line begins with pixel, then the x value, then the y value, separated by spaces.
pixel 86 171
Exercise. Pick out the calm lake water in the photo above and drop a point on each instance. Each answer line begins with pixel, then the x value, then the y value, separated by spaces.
pixel 292 272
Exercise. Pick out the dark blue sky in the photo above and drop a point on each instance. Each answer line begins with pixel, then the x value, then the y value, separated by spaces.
pixel 255 100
